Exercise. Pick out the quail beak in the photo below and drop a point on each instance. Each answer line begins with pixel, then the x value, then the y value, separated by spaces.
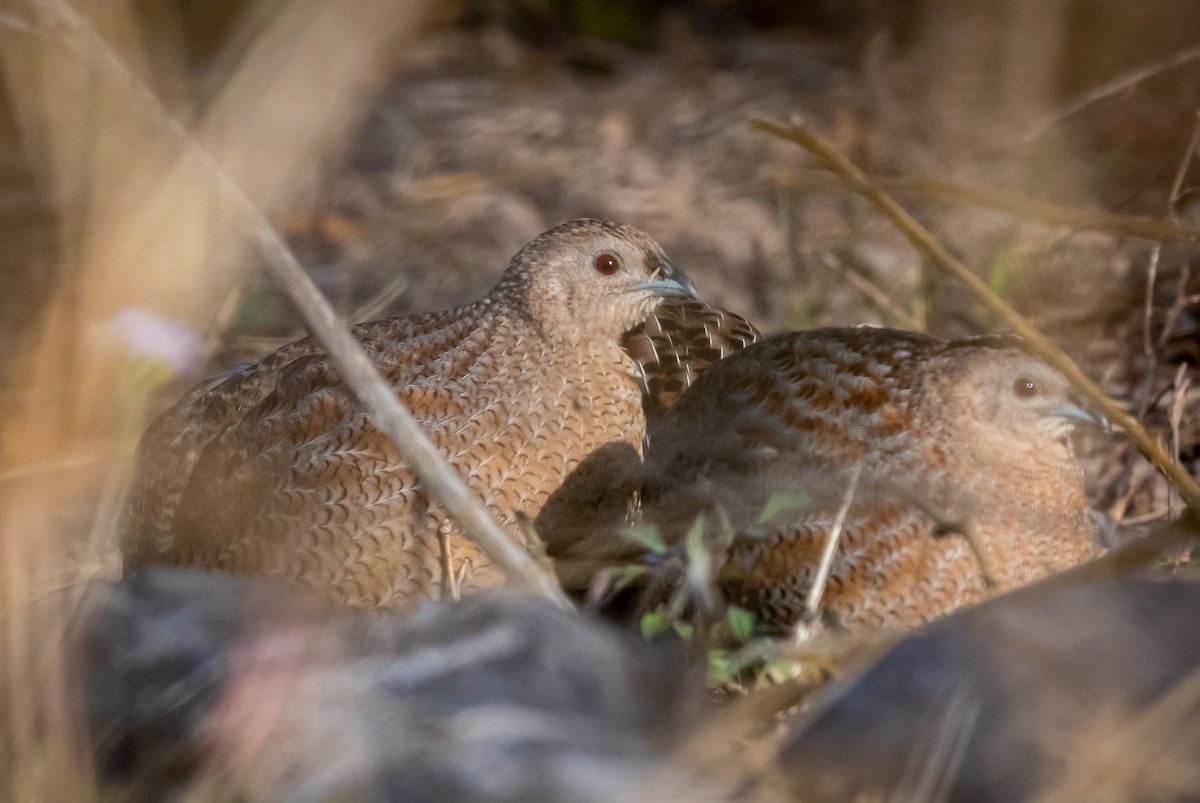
pixel 1077 412
pixel 667 281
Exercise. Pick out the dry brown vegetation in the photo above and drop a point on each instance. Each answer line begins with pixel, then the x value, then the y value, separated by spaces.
pixel 405 152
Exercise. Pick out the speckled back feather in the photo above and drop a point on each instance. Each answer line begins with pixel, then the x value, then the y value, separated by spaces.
pixel 682 338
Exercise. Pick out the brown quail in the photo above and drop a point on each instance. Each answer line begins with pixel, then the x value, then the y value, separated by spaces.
pixel 581 523
pixel 952 437
pixel 276 470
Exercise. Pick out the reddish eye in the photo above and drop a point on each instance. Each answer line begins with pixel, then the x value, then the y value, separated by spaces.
pixel 1025 387
pixel 607 264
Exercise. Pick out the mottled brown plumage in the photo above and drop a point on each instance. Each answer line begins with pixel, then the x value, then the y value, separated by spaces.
pixel 581 524
pixel 682 338
pixel 275 470
pixel 950 436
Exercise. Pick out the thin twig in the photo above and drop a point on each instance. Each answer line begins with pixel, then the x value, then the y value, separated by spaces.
pixel 812 602
pixel 1148 315
pixel 1152 278
pixel 1184 164
pixel 1049 214
pixel 881 299
pixel 939 747
pixel 363 377
pixel 1175 417
pixel 446 559
pixel 924 241
pixel 970 532
pixel 1179 303
pixel 1182 301
pixel 378 303
pixel 1113 87
pixel 1172 200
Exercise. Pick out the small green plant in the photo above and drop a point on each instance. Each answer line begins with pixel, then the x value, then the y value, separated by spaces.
pixel 782 503
pixel 1000 273
pixel 693 613
pixel 648 536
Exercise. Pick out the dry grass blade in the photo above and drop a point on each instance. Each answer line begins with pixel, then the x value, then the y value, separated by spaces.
pixel 924 241
pixel 1049 214
pixel 1113 87
pixel 883 300
pixel 812 604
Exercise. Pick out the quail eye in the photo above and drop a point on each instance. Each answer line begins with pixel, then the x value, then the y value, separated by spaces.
pixel 1025 387
pixel 607 264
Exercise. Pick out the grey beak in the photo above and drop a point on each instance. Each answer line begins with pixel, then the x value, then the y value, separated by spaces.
pixel 1076 412
pixel 667 280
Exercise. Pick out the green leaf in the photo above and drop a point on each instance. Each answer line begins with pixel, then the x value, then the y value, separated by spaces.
pixel 720 668
pixel 699 559
pixel 622 576
pixel 694 541
pixel 778 670
pixel 653 623
pixel 741 622
pixel 779 504
pixel 998 274
pixel 648 536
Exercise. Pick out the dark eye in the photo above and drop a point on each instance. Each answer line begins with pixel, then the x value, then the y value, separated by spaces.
pixel 607 264
pixel 1025 387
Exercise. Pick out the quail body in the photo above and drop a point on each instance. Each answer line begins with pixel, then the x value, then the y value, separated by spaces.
pixel 948 439
pixel 582 523
pixel 275 469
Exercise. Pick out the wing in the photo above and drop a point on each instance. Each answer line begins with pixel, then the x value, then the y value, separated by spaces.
pixel 794 409
pixel 682 338
pixel 891 570
pixel 211 453
pixel 175 442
